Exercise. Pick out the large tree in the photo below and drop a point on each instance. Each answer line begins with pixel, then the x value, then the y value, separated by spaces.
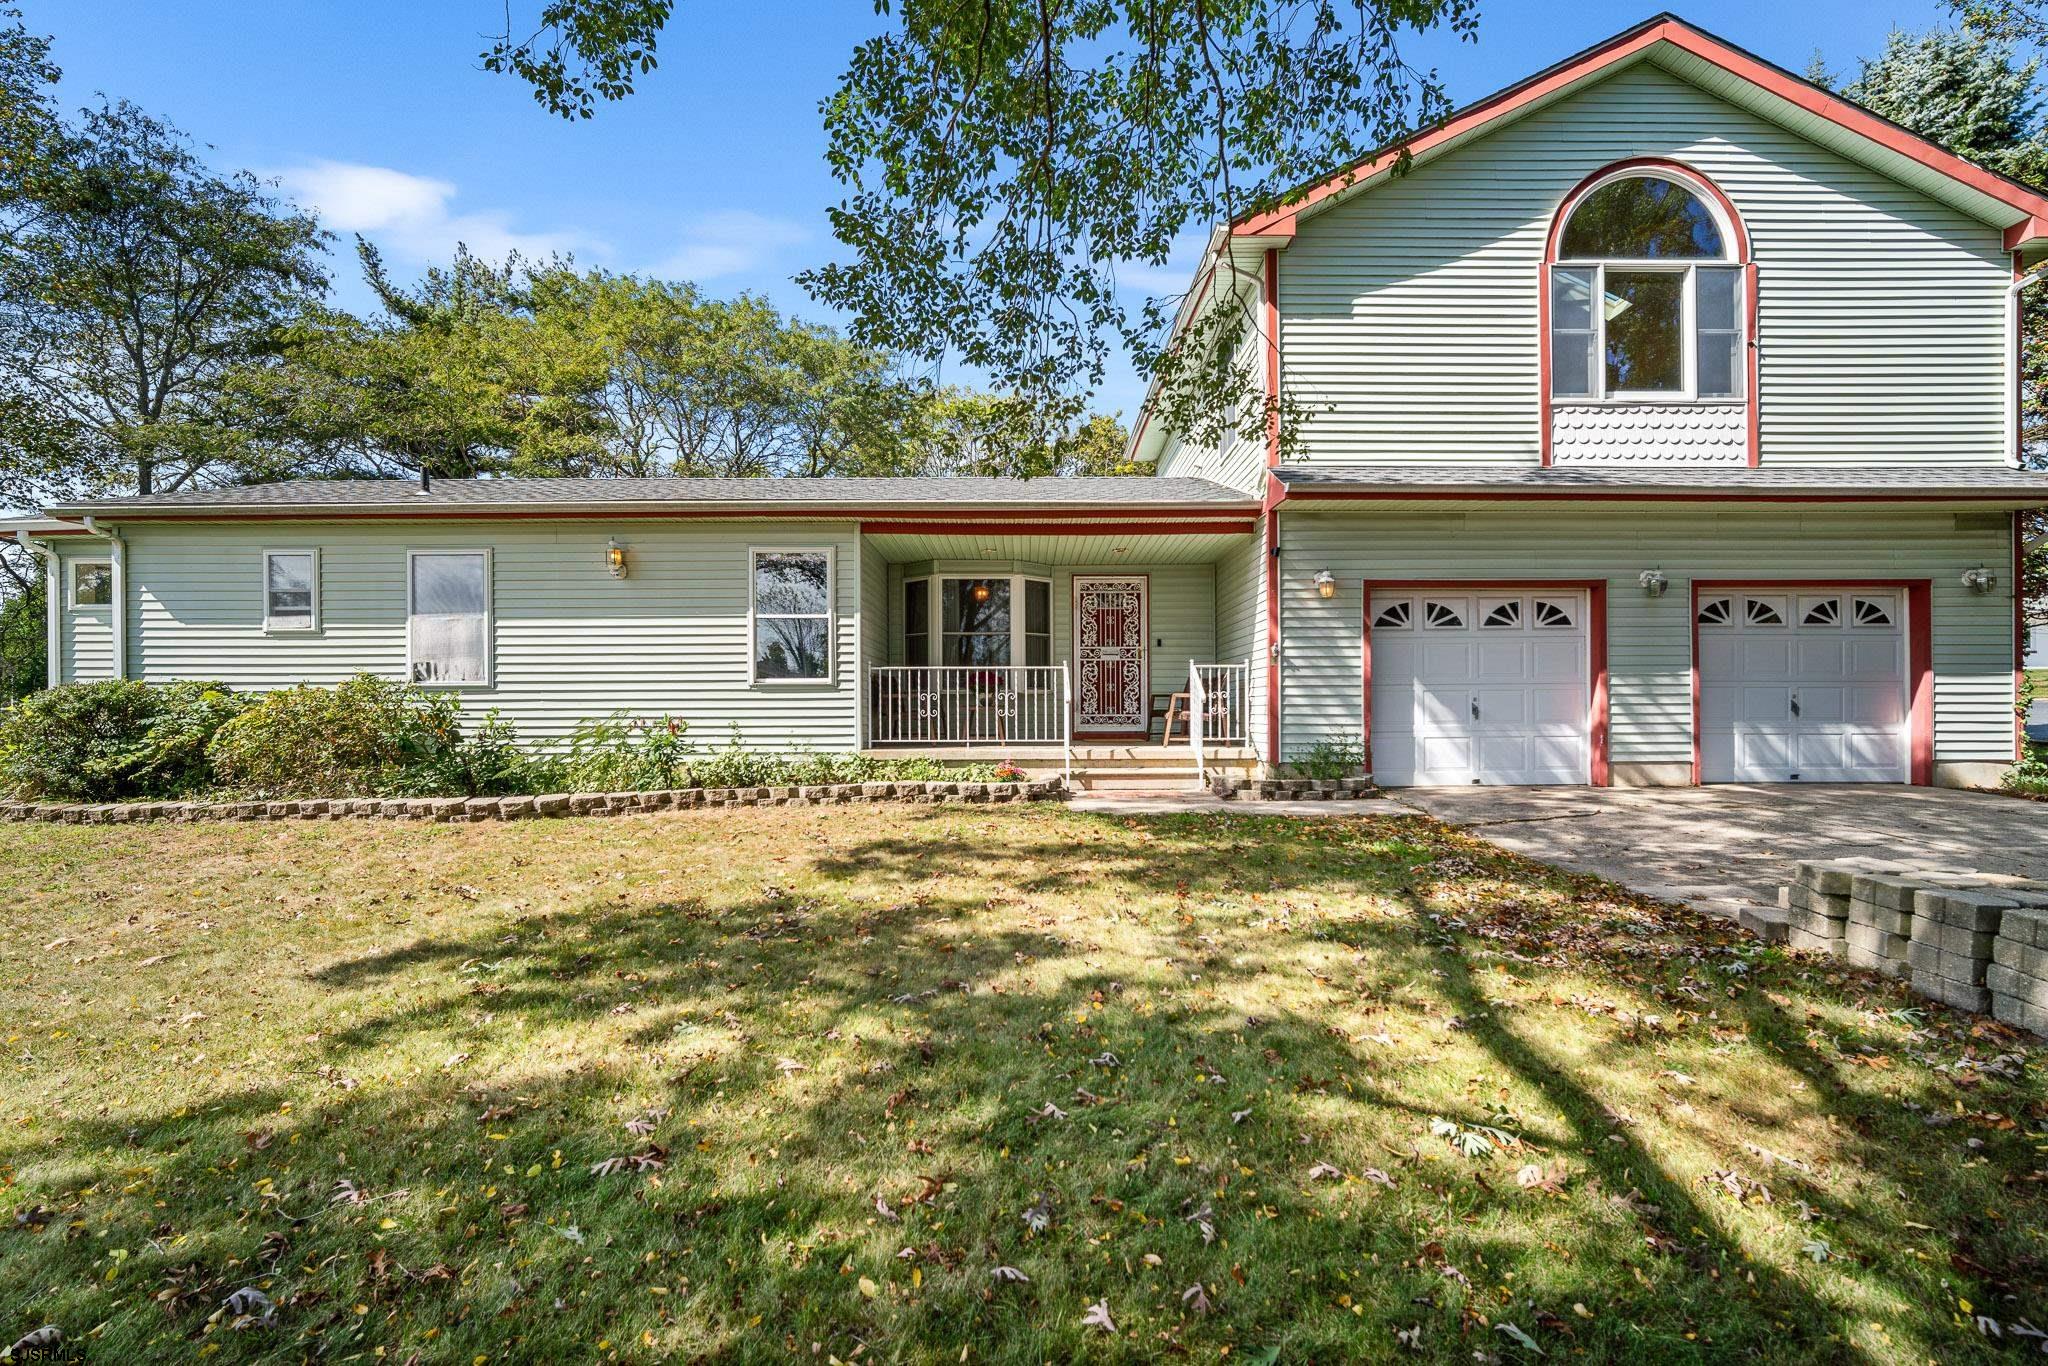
pixel 1969 91
pixel 133 279
pixel 1002 158
pixel 549 368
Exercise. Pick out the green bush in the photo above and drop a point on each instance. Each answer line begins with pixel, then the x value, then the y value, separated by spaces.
pixel 1327 759
pixel 367 737
pixel 738 766
pixel 2030 774
pixel 113 740
pixel 618 754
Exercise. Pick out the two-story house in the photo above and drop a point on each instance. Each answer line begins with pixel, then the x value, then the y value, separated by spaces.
pixel 1660 429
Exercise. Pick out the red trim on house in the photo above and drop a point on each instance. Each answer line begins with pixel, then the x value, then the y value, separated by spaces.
pixel 1276 494
pixel 1599 765
pixel 1545 431
pixel 1628 44
pixel 1695 179
pixel 1239 526
pixel 1272 302
pixel 1679 168
pixel 1919 660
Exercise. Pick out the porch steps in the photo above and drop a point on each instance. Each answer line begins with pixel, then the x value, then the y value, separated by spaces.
pixel 1130 776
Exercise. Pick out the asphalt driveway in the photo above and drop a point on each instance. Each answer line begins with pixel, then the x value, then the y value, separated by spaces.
pixel 1720 848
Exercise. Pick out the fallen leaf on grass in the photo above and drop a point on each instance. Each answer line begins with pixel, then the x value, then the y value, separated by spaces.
pixel 1098 1317
pixel 1519 1336
pixel 1009 1273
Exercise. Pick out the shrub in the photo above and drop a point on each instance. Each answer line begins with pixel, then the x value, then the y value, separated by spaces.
pixel 619 754
pixel 116 740
pixel 1327 758
pixel 2030 774
pixel 367 737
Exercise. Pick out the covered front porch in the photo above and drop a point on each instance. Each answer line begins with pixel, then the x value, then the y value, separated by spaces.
pixel 1057 646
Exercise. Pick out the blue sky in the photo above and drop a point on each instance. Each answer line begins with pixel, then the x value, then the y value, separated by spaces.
pixel 378 114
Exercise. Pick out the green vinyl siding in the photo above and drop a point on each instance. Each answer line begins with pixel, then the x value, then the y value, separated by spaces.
pixel 1649 639
pixel 85 635
pixel 570 641
pixel 1409 313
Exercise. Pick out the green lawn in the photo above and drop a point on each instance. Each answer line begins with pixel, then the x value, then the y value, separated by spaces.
pixel 926 1084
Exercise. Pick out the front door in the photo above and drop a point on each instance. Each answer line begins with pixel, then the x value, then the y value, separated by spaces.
pixel 1113 688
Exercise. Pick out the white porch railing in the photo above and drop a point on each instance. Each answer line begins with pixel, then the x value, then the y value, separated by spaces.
pixel 1218 709
pixel 969 705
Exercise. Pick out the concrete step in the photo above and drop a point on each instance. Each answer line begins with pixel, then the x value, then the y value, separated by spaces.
pixel 1150 779
pixel 1768 923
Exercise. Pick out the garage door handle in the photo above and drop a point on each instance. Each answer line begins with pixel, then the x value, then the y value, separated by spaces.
pixel 1795 704
pixel 1475 709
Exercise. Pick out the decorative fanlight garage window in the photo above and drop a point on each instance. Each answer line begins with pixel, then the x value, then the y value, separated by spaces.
pixel 1646 293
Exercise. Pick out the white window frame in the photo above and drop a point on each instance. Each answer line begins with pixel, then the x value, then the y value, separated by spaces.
pixel 490 679
pixel 1729 260
pixel 284 626
pixel 754 552
pixel 1020 636
pixel 71 585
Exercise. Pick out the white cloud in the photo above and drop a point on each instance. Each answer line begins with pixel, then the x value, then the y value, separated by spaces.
pixel 1169 279
pixel 411 216
pixel 731 242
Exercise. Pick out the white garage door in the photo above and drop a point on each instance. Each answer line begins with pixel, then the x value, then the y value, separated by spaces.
pixel 1480 688
pixel 1803 686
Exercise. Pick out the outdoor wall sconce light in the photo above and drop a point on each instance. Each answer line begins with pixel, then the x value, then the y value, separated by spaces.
pixel 1979 580
pixel 1653 582
pixel 615 559
pixel 1326 584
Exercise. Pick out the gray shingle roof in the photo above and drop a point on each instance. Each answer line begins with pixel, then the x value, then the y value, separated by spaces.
pixel 951 494
pixel 1740 481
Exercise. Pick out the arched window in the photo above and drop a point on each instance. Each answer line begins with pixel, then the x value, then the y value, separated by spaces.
pixel 1664 262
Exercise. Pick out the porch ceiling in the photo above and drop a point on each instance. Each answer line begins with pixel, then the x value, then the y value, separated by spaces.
pixel 1133 548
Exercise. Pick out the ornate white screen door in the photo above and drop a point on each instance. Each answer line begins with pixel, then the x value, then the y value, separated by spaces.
pixel 1112 689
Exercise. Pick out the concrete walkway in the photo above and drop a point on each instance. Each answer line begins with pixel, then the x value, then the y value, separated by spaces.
pixel 1720 848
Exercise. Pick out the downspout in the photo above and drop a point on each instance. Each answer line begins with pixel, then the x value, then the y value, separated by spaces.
pixel 2012 355
pixel 118 617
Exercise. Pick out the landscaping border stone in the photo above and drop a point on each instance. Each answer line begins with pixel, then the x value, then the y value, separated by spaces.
pixel 1294 789
pixel 1976 941
pixel 445 810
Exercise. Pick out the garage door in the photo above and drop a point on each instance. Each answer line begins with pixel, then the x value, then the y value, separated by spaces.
pixel 1480 688
pixel 1802 686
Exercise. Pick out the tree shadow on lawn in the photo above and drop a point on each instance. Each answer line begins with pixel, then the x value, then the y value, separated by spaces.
pixel 830 1107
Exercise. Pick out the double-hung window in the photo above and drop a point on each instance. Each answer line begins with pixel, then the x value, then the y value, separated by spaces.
pixel 1645 297
pixel 448 626
pixel 791 616
pixel 291 590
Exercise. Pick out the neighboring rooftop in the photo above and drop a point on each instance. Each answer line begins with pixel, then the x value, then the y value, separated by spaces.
pixel 398 496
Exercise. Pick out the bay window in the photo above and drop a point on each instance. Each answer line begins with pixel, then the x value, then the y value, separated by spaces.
pixel 1646 297
pixel 981 621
